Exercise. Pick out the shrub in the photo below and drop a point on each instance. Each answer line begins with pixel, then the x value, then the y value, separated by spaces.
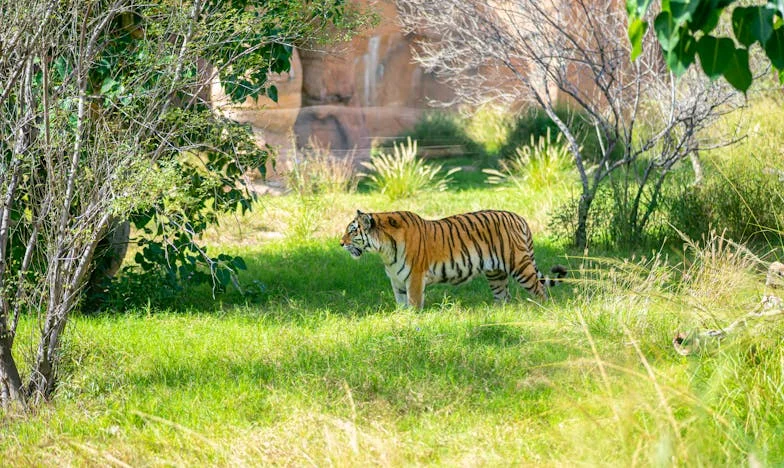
pixel 444 129
pixel 744 198
pixel 535 122
pixel 489 127
pixel 544 164
pixel 402 174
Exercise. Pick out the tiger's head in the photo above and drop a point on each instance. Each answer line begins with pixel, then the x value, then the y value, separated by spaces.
pixel 357 238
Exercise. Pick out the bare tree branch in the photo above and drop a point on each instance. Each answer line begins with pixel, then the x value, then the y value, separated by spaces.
pixel 556 53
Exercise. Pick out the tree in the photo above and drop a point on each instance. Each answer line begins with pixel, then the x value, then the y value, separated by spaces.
pixel 103 118
pixel 687 29
pixel 574 53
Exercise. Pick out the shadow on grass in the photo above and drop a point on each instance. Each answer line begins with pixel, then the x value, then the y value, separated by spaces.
pixel 409 369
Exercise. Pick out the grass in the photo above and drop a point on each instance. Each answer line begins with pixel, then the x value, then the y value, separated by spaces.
pixel 323 368
pixel 402 173
pixel 318 366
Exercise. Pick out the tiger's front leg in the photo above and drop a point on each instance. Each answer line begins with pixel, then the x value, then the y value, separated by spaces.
pixel 401 295
pixel 416 290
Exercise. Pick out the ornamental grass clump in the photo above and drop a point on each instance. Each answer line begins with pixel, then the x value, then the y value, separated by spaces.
pixel 402 174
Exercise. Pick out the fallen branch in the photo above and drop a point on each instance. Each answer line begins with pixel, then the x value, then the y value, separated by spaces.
pixel 688 343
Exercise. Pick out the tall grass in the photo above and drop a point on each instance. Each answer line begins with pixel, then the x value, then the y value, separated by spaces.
pixel 324 369
pixel 402 173
pixel 314 170
pixel 743 190
pixel 320 367
pixel 314 176
pixel 542 165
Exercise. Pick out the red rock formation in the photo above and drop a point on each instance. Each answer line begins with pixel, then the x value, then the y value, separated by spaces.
pixel 347 95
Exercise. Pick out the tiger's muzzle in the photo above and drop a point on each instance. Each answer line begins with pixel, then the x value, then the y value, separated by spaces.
pixel 355 252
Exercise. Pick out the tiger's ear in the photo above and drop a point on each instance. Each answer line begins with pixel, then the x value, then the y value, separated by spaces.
pixel 365 220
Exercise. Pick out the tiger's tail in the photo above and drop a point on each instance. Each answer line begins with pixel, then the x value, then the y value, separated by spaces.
pixel 558 270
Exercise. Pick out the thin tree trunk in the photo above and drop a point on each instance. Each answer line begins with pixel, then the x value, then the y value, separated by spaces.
pixel 696 165
pixel 10 381
pixel 581 234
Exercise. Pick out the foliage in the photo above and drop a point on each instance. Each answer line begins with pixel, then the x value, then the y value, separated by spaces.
pixel 437 129
pixel 402 174
pixel 744 199
pixel 545 52
pixel 687 29
pixel 104 119
pixel 489 126
pixel 544 164
pixel 226 150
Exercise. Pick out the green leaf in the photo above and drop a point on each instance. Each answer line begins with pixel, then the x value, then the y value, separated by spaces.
pixel 762 23
pixel 272 92
pixel 752 24
pixel 706 17
pixel 637 30
pixel 774 48
pixel 682 56
pixel 666 30
pixel 683 9
pixel 62 68
pixel 108 85
pixel 741 26
pixel 714 54
pixel 737 71
pixel 223 276
pixel 239 263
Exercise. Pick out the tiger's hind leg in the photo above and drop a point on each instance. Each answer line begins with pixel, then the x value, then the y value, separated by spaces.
pixel 528 276
pixel 499 284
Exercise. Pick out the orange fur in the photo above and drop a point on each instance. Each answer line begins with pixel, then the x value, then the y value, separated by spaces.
pixel 417 252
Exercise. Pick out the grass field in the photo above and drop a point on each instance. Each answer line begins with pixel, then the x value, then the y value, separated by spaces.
pixel 319 367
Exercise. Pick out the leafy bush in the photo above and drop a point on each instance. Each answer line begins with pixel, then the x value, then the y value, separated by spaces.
pixel 445 129
pixel 744 198
pixel 544 164
pixel 402 174
pixel 611 222
pixel 535 122
pixel 489 127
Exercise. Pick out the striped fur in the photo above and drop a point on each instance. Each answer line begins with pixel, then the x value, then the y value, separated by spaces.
pixel 417 252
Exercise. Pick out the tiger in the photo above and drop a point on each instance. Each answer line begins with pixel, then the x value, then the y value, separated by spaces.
pixel 417 252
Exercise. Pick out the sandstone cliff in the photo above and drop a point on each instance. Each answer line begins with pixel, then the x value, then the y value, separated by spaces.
pixel 345 96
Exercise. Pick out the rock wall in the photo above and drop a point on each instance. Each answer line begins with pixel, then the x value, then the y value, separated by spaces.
pixel 346 96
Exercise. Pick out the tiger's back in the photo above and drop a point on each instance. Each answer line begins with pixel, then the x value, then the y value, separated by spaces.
pixel 417 252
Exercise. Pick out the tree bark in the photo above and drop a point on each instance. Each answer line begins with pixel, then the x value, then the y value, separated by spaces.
pixel 10 381
pixel 584 206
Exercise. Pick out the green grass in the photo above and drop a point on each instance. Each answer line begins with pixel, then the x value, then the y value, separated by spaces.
pixel 318 365
pixel 324 368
